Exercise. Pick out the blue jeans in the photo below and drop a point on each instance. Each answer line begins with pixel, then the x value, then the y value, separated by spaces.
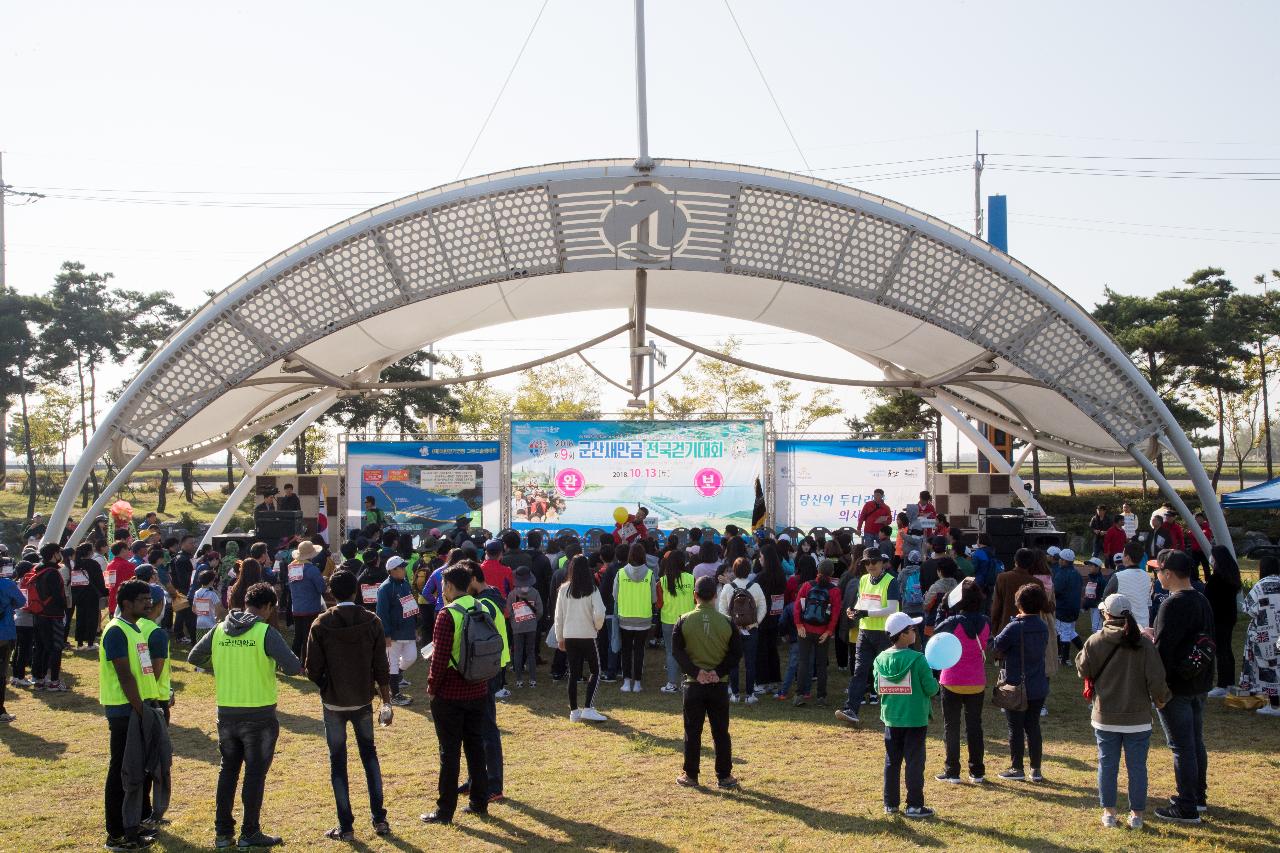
pixel 1135 745
pixel 793 666
pixel 251 743
pixel 749 644
pixel 673 668
pixel 335 733
pixel 1183 723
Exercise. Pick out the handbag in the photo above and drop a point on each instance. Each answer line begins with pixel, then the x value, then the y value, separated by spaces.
pixel 1012 697
pixel 551 637
pixel 1089 683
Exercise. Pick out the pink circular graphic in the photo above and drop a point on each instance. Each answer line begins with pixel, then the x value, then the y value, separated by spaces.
pixel 570 482
pixel 708 482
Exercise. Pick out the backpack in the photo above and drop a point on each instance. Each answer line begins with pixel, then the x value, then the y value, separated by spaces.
pixel 35 604
pixel 909 589
pixel 817 606
pixel 1199 657
pixel 480 650
pixel 742 607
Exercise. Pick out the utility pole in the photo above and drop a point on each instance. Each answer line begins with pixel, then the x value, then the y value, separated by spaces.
pixel 431 374
pixel 978 162
pixel 1266 403
pixel 643 162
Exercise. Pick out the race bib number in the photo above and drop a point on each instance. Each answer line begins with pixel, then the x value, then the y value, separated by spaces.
pixel 295 573
pixel 408 606
pixel 886 687
pixel 775 604
pixel 6 571
pixel 203 607
pixel 870 601
pixel 144 658
pixel 26 598
pixel 111 578
pixel 369 593
pixel 522 611
pixel 628 532
pixel 79 578
pixel 1091 589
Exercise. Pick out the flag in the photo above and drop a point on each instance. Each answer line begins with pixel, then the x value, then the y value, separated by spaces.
pixel 759 513
pixel 322 518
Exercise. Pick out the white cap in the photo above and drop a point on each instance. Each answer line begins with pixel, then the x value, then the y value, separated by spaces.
pixel 1117 604
pixel 394 562
pixel 953 597
pixel 1096 561
pixel 1053 551
pixel 899 622
pixel 1067 555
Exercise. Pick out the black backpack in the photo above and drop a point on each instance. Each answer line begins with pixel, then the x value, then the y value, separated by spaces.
pixel 742 606
pixel 480 649
pixel 817 606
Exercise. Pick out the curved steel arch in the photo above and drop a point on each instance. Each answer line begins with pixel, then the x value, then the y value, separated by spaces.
pixel 763 228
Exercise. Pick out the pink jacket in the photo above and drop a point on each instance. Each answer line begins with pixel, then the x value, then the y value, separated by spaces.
pixel 970 669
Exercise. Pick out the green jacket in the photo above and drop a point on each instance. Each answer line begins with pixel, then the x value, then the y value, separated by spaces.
pixel 906 684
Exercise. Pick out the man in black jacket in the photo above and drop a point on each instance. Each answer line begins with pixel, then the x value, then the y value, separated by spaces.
pixel 1183 621
pixel 346 658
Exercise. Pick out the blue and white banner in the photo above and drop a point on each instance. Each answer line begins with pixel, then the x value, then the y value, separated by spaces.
pixel 575 473
pixel 825 483
pixel 419 485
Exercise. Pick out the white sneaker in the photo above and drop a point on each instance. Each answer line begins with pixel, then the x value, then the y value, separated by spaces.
pixel 504 693
pixel 635 686
pixel 761 690
pixel 668 688
pixel 575 716
pixel 519 684
pixel 1269 711
pixel 1044 712
pixel 1135 821
pixel 751 700
pixel 733 697
pixel 626 685
pixel 593 715
pixel 1217 692
pixel 1109 821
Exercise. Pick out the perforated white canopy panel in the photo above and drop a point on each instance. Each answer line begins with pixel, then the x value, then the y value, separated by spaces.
pixel 908 292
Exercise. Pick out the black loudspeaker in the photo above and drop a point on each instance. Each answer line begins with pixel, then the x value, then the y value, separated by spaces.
pixel 1042 539
pixel 1005 546
pixel 273 527
pixel 1004 525
pixel 244 540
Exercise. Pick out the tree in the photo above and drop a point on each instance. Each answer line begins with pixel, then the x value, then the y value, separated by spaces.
pixel 480 405
pixel 403 408
pixel 1243 433
pixel 794 416
pixel 560 389
pixel 20 318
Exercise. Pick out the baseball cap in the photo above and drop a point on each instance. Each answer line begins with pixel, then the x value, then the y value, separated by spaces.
pixel 396 562
pixel 953 597
pixel 1117 604
pixel 493 546
pixel 1067 554
pixel 157 593
pixel 899 622
pixel 1096 561
pixel 1053 551
pixel 1119 559
pixel 462 520
pixel 872 555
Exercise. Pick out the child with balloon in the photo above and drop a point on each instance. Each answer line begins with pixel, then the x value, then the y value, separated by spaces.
pixel 906 687
pixel 956 649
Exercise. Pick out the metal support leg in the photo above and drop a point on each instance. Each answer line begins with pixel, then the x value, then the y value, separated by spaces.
pixel 264 463
pixel 122 476
pixel 1179 504
pixel 1022 457
pixel 995 457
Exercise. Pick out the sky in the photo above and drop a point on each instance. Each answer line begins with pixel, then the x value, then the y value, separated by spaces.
pixel 180 145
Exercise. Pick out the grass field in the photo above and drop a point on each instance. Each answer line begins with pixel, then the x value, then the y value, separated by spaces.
pixel 809 782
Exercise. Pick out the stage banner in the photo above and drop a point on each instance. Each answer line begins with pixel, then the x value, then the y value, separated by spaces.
pixel 424 484
pixel 825 483
pixel 688 473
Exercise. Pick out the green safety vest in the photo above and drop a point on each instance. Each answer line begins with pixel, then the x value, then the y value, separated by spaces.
pixel 676 604
pixel 458 607
pixel 880 588
pixel 148 628
pixel 635 598
pixel 110 692
pixel 244 674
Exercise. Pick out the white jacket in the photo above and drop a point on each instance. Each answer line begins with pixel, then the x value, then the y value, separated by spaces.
pixel 726 595
pixel 578 618
pixel 1135 585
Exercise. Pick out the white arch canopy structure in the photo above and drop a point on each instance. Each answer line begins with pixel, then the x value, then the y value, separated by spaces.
pixel 940 312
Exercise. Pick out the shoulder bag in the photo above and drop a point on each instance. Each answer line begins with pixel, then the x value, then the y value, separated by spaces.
pixel 1012 697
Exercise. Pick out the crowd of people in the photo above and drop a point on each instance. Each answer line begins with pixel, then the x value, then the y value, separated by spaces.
pixel 742 618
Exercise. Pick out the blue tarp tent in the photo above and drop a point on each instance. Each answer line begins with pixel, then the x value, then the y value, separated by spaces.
pixel 1262 496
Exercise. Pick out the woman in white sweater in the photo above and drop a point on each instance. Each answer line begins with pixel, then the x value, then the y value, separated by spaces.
pixel 750 633
pixel 579 616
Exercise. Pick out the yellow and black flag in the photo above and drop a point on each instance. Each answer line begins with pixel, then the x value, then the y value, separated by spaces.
pixel 759 513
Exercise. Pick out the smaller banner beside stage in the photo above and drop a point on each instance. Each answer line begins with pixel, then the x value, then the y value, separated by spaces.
pixel 825 483
pixel 424 484
pixel 688 473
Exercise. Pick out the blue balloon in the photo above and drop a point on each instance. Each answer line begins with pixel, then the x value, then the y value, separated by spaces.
pixel 942 651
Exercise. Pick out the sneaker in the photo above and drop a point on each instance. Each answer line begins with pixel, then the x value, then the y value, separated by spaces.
pixel 496 797
pixel 1269 711
pixel 728 783
pixel 761 689
pixel 57 686
pixel 780 696
pixel 7 718
pixel 872 700
pixel 1109 821
pixel 151 824
pixel 340 834
pixel 1044 712
pixel 1217 692
pixel 915 812
pixel 801 699
pixel 668 688
pixel 381 827
pixel 821 701
pixel 532 683
pixel 626 685
pixel 519 684
pixel 848 716
pixel 258 839
pixel 592 715
pixel 890 809
pixel 733 698
pixel 608 679
pixel 684 780
pixel 575 716
pixel 1035 775
pixel 1135 821
pixel 635 686
pixel 404 682
pixel 1171 813
pixel 1013 773
pixel 222 842
pixel 400 700
pixel 1202 809
pixel 141 843
pixel 464 788
pixel 504 693
pixel 977 780
pixel 435 817
pixel 751 700
pixel 952 780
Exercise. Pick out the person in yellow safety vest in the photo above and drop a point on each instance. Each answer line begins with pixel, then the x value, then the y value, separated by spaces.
pixel 243 652
pixel 635 592
pixel 878 598
pixel 675 598
pixel 491 597
pixel 154 807
pixel 126 681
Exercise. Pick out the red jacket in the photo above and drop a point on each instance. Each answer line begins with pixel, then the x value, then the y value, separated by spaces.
pixel 873 517
pixel 1176 540
pixel 498 575
pixel 124 571
pixel 1113 541
pixel 641 531
pixel 1194 544
pixel 834 592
